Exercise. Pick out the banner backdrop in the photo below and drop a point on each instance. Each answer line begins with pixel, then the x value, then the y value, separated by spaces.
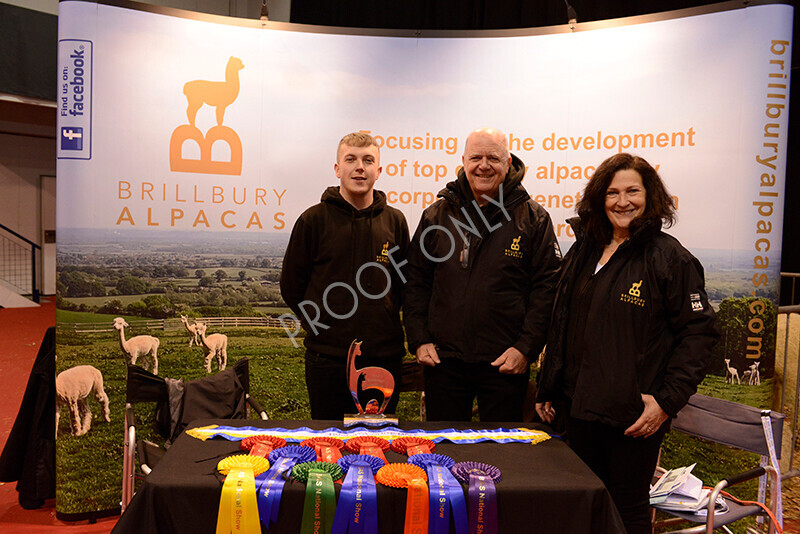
pixel 201 139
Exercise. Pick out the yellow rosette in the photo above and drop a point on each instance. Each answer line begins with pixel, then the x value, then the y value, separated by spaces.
pixel 238 510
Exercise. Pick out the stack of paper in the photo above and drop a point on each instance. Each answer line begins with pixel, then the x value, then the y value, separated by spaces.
pixel 679 490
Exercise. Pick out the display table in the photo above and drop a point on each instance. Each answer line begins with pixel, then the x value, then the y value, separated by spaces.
pixel 545 487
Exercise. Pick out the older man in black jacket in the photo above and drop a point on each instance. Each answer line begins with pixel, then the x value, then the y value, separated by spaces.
pixel 483 265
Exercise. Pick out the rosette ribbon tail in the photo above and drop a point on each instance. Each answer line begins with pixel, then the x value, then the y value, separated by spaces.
pixel 357 511
pixel 320 503
pixel 439 510
pixel 238 511
pixel 269 492
pixel 482 505
pixel 458 503
pixel 416 507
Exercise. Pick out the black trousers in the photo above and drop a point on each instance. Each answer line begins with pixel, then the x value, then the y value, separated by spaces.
pixel 624 464
pixel 328 392
pixel 452 386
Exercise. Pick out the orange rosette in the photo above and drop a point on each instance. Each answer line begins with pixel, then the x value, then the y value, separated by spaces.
pixel 414 478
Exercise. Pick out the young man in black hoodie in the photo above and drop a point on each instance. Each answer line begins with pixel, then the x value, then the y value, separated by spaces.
pixel 339 278
pixel 483 266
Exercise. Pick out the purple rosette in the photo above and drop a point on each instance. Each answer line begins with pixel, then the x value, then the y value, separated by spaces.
pixel 462 471
pixel 424 460
pixel 374 462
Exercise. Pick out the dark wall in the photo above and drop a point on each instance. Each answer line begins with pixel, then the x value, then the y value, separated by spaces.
pixel 506 14
pixel 28 52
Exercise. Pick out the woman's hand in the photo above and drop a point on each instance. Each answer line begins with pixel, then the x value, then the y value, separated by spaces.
pixel 546 411
pixel 649 422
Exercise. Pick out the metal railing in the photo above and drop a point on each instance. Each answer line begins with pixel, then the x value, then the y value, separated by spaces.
pixel 789 344
pixel 18 262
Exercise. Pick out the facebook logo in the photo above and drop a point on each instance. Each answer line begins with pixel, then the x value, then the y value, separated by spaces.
pixel 71 138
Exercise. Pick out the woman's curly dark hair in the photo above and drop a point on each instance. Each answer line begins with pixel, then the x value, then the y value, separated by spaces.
pixel 591 208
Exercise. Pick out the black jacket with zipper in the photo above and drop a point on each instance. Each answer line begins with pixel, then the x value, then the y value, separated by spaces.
pixel 648 329
pixel 330 242
pixel 484 278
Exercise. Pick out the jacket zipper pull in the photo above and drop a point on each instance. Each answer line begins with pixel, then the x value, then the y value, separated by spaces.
pixel 465 255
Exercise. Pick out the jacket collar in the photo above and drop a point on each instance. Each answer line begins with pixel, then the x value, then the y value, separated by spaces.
pixel 333 197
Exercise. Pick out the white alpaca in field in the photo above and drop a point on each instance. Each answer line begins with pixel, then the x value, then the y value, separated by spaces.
pixel 139 346
pixel 731 373
pixel 755 376
pixel 213 345
pixel 193 336
pixel 73 387
pixel 746 376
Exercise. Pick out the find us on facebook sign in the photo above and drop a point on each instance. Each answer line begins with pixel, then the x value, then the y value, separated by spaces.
pixel 74 99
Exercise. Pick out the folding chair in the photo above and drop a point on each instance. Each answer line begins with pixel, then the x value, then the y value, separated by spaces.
pixel 742 427
pixel 223 395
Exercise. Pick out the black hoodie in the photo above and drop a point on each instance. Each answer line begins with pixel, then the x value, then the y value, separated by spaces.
pixel 493 290
pixel 330 242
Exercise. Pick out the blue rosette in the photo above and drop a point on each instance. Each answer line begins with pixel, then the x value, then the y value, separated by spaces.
pixel 272 482
pixel 445 494
pixel 374 462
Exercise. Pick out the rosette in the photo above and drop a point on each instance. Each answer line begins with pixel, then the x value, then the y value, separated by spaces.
pixel 300 471
pixel 238 511
pixel 445 493
pixel 371 445
pixel 261 445
pixel 411 477
pixel 357 511
pixel 328 449
pixel 320 503
pixel 270 490
pixel 413 445
pixel 374 462
pixel 482 494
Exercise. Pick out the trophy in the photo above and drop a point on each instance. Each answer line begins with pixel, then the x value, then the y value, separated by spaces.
pixel 368 378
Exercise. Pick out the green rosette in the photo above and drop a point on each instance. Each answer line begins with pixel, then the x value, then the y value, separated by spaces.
pixel 300 471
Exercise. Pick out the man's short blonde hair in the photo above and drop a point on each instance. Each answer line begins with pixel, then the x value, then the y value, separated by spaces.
pixel 356 139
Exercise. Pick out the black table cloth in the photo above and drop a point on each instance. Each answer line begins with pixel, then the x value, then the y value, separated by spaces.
pixel 545 487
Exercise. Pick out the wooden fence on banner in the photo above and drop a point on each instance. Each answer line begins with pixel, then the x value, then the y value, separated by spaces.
pixel 176 324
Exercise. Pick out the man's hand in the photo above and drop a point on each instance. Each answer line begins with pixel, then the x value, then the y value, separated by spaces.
pixel 427 355
pixel 511 362
pixel 651 419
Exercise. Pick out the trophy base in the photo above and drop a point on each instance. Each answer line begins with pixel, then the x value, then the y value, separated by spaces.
pixel 370 420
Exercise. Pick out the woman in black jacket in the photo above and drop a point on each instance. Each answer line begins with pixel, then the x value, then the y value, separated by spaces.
pixel 631 334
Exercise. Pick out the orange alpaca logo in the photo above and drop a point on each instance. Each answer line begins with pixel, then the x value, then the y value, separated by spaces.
pixel 218 95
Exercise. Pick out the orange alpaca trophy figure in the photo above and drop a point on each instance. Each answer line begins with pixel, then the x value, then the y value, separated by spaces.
pixel 368 378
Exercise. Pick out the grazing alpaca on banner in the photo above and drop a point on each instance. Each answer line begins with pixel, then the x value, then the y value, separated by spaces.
pixel 746 376
pixel 139 346
pixel 73 387
pixel 192 328
pixel 376 378
pixel 213 345
pixel 755 376
pixel 731 373
pixel 215 94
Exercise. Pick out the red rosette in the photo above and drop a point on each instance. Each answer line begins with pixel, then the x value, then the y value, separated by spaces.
pixel 413 445
pixel 356 444
pixel 261 445
pixel 374 446
pixel 327 449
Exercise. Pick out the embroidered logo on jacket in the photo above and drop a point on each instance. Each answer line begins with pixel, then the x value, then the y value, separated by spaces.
pixel 634 294
pixel 383 257
pixel 514 250
pixel 697 304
